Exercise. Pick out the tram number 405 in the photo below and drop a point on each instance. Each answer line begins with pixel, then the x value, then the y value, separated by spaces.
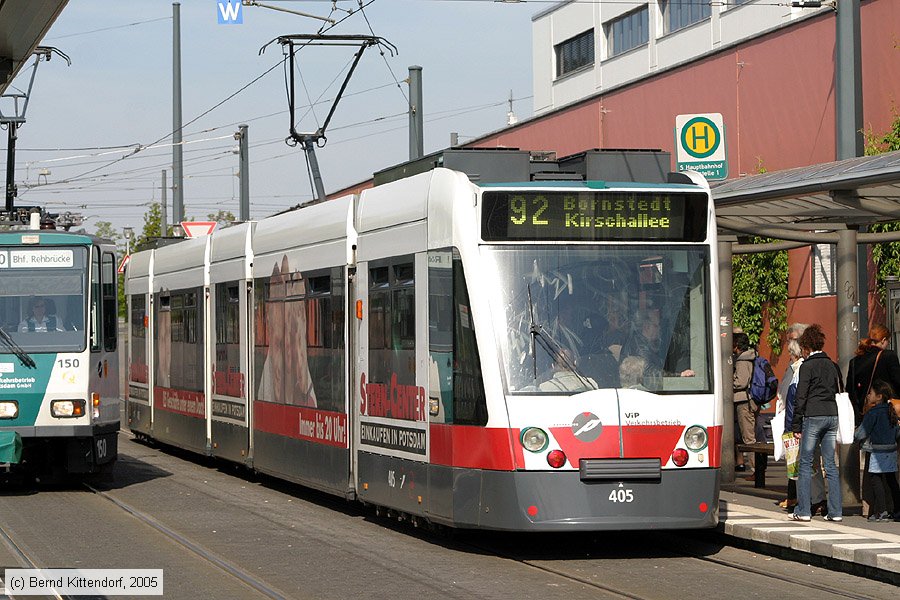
pixel 621 495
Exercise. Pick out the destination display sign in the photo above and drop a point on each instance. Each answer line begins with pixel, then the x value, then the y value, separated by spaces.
pixel 593 216
pixel 38 258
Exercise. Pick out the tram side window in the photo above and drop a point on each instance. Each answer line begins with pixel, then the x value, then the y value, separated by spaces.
pixel 228 355
pixel 325 338
pixel 179 349
pixel 301 388
pixel 227 312
pixel 262 340
pixel 96 303
pixel 162 346
pixel 392 318
pixel 138 368
pixel 456 385
pixel 110 303
pixel 299 338
pixel 268 351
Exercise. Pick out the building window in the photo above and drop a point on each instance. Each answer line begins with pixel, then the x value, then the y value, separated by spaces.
pixel 823 270
pixel 628 31
pixel 575 53
pixel 682 13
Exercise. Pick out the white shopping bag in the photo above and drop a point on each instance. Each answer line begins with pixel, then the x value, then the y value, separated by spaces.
pixel 777 431
pixel 846 418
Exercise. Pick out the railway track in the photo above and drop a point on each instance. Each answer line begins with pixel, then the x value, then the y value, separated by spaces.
pixel 174 498
pixel 797 585
pixel 23 558
pixel 196 549
pixel 30 544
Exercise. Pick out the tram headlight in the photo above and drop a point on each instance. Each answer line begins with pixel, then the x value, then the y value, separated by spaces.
pixel 695 438
pixel 67 409
pixel 9 409
pixel 534 439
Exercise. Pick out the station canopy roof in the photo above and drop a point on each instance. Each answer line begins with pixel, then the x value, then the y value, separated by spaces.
pixel 828 196
pixel 23 24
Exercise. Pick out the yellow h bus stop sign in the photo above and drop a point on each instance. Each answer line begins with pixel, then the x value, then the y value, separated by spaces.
pixel 700 145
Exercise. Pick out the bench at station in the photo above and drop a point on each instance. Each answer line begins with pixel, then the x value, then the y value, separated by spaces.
pixel 762 451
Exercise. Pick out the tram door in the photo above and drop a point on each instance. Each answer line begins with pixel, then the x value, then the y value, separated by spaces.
pixel 230 364
pixel 391 409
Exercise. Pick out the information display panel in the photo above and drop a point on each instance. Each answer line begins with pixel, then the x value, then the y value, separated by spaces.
pixel 593 215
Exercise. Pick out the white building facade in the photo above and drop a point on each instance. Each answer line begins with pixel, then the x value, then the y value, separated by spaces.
pixel 583 49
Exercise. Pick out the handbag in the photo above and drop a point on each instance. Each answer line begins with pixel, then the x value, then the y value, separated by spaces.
pixel 777 424
pixel 846 418
pixel 791 454
pixel 846 414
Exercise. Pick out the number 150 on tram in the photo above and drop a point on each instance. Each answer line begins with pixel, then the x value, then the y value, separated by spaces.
pixel 537 356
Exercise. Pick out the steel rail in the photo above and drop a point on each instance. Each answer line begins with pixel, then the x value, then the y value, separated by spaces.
pixel 24 560
pixel 194 547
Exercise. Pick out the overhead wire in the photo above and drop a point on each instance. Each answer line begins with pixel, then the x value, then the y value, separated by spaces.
pixel 209 158
pixel 70 35
pixel 201 115
pixel 223 151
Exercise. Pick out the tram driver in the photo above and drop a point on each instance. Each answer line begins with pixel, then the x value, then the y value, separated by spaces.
pixel 39 321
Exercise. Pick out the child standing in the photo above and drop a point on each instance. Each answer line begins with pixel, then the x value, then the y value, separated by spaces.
pixel 879 428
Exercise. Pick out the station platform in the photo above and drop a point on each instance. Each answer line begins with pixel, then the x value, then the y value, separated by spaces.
pixel 752 514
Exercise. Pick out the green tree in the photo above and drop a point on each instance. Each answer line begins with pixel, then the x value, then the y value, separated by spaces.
pixel 760 289
pixel 105 230
pixel 223 218
pixel 886 255
pixel 152 227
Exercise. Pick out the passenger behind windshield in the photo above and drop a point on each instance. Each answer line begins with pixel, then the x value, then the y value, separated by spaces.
pixel 563 378
pixel 646 343
pixel 604 305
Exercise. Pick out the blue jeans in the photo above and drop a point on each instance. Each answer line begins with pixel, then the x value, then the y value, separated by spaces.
pixel 816 431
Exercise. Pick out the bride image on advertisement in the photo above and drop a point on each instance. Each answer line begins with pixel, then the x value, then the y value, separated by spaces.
pixel 285 377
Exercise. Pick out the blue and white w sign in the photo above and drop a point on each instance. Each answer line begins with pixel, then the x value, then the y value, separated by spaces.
pixel 230 12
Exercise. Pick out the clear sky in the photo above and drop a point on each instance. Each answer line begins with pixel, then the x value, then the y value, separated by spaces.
pixel 117 95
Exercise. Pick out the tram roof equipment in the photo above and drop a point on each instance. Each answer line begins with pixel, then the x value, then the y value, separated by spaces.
pixel 507 165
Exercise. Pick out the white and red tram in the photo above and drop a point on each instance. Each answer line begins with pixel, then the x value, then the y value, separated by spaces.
pixel 537 356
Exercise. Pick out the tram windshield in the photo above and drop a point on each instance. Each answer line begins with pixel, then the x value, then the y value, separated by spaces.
pixel 574 318
pixel 42 298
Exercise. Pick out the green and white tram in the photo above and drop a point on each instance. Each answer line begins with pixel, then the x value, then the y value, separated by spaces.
pixel 59 368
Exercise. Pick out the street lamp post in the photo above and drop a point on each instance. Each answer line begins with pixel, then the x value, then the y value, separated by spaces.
pixel 129 233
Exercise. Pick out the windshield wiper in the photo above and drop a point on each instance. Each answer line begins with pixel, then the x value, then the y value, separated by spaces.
pixel 553 348
pixel 17 350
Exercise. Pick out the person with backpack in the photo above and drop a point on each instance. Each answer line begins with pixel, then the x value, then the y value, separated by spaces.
pixel 815 423
pixel 745 410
